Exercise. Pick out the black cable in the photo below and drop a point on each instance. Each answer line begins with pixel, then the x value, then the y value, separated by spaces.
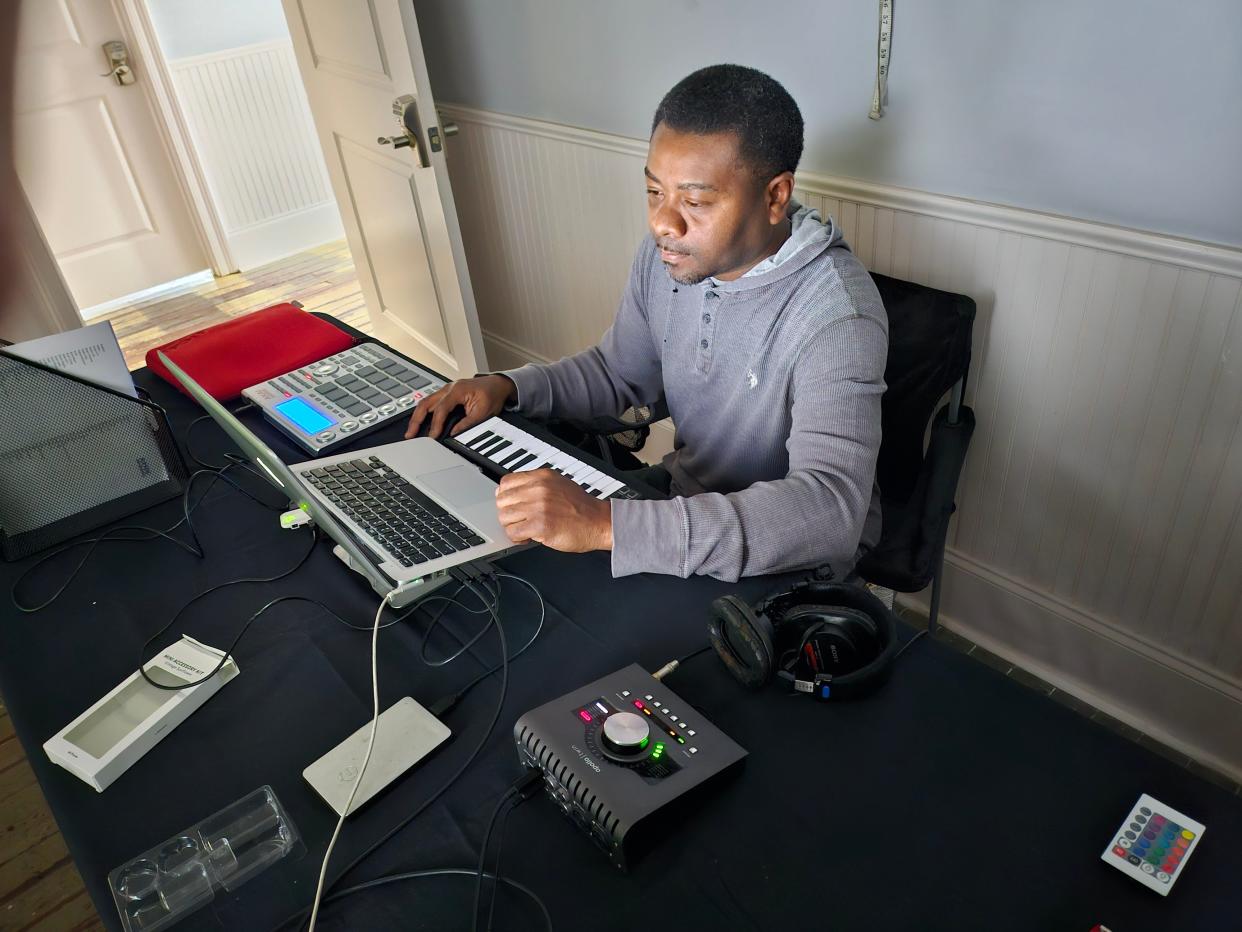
pixel 148 533
pixel 245 627
pixel 110 536
pixel 906 646
pixel 525 788
pixel 421 604
pixel 465 646
pixel 504 800
pixel 189 450
pixel 442 872
pixel 694 653
pixel 500 837
pixel 446 704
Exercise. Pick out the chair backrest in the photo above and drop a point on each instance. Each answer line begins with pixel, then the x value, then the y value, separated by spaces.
pixel 929 335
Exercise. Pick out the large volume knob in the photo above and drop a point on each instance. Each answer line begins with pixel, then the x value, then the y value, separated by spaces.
pixel 625 733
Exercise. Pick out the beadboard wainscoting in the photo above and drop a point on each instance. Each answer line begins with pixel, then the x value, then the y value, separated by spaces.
pixel 250 121
pixel 1098 541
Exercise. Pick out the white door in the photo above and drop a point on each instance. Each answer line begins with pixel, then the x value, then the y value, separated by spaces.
pixel 356 58
pixel 91 159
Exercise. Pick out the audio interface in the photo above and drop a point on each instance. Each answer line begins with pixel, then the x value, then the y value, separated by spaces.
pixel 620 750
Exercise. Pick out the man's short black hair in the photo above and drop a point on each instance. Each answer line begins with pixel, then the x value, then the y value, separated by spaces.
pixel 743 101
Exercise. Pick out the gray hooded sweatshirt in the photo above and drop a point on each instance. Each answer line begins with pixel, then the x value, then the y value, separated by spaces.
pixel 773 381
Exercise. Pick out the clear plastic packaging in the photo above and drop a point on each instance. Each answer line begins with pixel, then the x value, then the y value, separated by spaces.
pixel 165 884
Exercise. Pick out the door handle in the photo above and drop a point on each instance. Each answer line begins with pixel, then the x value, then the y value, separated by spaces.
pixel 405 109
pixel 118 63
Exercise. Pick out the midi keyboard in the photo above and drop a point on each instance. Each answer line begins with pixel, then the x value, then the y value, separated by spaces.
pixel 503 448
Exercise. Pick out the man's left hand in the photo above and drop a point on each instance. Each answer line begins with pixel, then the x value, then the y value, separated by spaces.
pixel 544 506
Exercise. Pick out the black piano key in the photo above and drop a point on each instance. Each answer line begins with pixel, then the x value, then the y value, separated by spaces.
pixel 508 460
pixel 493 451
pixel 491 444
pixel 481 439
pixel 522 462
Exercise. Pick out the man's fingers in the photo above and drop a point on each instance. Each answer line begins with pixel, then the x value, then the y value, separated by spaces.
pixel 468 421
pixel 520 480
pixel 416 419
pixel 517 533
pixel 438 416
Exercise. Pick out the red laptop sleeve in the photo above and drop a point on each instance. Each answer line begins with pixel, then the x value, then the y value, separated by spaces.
pixel 229 357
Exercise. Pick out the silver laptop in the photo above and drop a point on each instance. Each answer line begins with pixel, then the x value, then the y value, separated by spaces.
pixel 400 512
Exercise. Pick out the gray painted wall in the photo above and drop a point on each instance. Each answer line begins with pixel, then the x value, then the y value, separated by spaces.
pixel 200 27
pixel 1123 111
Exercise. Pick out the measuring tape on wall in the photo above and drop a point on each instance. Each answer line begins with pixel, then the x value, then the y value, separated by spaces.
pixel 879 97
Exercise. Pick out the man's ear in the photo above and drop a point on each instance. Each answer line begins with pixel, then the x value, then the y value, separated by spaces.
pixel 777 195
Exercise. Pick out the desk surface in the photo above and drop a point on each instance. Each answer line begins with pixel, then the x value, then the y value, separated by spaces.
pixel 954 799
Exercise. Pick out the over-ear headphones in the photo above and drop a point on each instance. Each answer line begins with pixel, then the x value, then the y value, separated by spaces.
pixel 831 640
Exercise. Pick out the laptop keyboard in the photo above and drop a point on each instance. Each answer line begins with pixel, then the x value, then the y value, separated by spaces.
pixel 407 523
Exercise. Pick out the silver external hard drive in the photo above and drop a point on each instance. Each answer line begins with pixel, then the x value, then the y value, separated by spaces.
pixel 406 734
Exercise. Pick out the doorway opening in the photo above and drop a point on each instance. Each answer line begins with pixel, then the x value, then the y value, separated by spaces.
pixel 126 237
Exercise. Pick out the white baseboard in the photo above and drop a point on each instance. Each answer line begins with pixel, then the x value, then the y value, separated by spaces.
pixel 156 292
pixel 503 353
pixel 285 235
pixel 1162 694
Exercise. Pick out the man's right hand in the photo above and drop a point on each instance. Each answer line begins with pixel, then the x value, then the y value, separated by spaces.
pixel 481 397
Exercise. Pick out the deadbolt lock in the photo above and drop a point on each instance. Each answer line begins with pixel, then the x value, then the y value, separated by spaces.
pixel 118 63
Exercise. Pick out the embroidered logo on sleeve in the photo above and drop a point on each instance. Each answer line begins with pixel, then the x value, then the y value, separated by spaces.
pixel 751 379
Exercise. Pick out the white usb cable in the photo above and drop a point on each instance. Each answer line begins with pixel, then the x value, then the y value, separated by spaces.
pixel 323 871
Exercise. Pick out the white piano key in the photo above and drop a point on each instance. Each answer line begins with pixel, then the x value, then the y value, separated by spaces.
pixel 610 485
pixel 545 455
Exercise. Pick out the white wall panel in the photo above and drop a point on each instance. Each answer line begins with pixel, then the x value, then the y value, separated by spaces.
pixel 249 119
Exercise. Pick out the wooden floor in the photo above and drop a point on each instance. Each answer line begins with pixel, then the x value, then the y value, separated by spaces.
pixel 323 279
pixel 40 888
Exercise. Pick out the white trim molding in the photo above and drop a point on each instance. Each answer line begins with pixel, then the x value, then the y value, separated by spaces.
pixel 1157 247
pixel 136 23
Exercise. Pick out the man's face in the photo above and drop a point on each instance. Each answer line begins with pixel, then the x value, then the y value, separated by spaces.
pixel 707 211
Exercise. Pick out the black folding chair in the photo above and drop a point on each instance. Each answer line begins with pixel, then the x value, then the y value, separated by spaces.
pixel 929 335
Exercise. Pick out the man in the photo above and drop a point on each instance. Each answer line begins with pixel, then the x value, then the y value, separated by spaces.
pixel 760 329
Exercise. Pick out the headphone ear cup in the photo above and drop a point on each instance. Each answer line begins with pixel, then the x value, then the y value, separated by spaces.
pixel 862 631
pixel 742 640
pixel 877 623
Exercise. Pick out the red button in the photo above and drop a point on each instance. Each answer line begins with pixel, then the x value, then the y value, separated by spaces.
pixel 1119 851
pixel 584 715
pixel 1169 866
pixel 1183 843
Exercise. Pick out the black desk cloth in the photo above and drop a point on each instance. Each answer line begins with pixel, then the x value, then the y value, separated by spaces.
pixel 954 799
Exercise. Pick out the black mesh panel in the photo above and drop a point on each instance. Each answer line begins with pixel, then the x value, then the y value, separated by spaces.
pixel 74 456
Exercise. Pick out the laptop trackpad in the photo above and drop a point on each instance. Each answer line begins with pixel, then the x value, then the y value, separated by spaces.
pixel 462 486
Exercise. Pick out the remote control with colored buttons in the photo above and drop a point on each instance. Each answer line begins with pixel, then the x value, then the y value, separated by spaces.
pixel 1153 844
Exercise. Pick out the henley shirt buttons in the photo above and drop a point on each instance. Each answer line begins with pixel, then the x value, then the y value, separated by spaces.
pixel 707 318
pixel 703 343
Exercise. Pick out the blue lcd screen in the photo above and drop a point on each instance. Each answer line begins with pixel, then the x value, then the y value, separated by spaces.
pixel 304 416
